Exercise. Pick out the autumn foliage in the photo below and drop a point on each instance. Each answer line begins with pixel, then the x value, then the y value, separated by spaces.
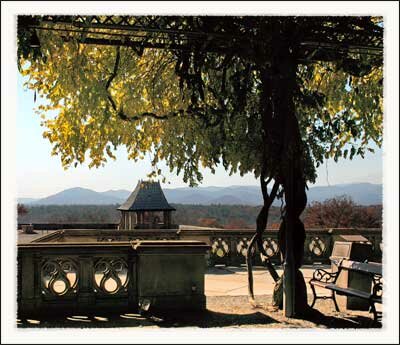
pixel 342 212
pixel 21 210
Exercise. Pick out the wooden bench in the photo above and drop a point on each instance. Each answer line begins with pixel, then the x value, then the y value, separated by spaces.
pixel 327 280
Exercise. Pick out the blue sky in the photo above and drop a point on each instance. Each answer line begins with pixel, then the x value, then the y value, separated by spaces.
pixel 39 174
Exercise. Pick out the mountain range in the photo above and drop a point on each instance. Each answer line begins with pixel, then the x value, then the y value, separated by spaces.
pixel 361 193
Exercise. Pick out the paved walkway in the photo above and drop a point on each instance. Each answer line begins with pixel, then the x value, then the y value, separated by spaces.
pixel 232 281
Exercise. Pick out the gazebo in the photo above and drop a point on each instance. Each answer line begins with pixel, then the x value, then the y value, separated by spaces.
pixel 146 208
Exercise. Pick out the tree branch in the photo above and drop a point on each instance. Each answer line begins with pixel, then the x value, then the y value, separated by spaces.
pixel 198 112
pixel 112 77
pixel 192 111
pixel 125 117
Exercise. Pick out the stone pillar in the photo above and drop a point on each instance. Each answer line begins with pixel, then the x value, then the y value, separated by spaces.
pixel 86 297
pixel 170 277
pixel 169 218
pixel 29 288
pixel 121 222
pixel 139 217
pixel 28 229
pixel 130 220
pixel 357 251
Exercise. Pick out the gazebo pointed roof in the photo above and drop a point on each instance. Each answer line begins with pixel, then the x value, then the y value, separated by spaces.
pixel 147 196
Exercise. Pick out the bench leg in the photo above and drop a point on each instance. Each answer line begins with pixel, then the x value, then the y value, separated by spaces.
pixel 373 309
pixel 314 295
pixel 334 301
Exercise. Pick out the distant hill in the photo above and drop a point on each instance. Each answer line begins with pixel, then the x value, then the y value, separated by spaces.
pixel 77 196
pixel 120 194
pixel 227 199
pixel 245 195
pixel 26 200
pixel 362 193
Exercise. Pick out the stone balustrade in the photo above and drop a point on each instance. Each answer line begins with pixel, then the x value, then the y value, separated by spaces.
pixel 229 247
pixel 74 270
pixel 76 276
pixel 53 226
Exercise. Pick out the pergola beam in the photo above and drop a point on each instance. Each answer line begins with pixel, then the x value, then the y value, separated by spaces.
pixel 170 33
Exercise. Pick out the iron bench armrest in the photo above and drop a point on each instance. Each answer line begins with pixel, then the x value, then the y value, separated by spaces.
pixel 377 287
pixel 323 276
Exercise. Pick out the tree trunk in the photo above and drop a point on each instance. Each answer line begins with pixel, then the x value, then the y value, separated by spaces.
pixel 285 148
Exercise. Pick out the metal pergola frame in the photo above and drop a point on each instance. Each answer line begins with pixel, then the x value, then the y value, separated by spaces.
pixel 141 32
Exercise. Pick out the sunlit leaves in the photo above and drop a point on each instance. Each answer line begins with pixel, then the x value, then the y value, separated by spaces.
pixel 73 82
pixel 210 106
pixel 346 115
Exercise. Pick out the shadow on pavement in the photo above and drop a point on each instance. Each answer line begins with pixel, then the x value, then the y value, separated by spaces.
pixel 209 319
pixel 219 270
pixel 331 321
pixel 204 319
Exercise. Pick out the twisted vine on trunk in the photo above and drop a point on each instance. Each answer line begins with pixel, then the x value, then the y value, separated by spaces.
pixel 292 249
pixel 262 220
pixel 283 155
pixel 292 176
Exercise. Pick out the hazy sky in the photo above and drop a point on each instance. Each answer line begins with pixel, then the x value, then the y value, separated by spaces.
pixel 39 174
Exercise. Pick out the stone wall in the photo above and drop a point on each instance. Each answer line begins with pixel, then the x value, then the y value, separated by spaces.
pixel 66 278
pixel 229 247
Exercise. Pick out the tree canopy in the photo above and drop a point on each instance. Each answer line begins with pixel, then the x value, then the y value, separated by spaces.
pixel 200 108
pixel 273 96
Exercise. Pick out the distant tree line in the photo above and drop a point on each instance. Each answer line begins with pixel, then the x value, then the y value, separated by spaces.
pixel 332 213
pixel 342 212
pixel 220 216
pixel 70 214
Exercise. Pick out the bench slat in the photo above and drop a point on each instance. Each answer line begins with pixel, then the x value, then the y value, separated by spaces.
pixel 370 268
pixel 349 291
pixel 377 299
